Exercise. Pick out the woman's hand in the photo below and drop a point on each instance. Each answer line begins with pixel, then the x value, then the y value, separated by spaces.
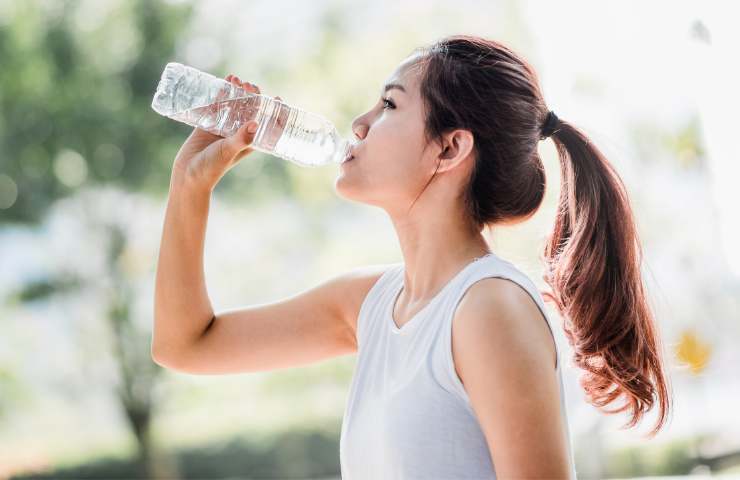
pixel 204 157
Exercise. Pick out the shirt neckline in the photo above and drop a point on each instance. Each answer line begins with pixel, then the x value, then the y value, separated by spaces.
pixel 414 319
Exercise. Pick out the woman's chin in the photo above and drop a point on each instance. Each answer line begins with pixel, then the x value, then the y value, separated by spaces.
pixel 344 185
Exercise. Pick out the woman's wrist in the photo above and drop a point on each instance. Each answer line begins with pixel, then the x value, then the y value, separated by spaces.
pixel 181 182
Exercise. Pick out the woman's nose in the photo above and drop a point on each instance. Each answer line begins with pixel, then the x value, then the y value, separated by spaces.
pixel 359 130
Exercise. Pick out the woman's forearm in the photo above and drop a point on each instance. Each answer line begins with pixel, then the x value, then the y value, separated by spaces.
pixel 182 309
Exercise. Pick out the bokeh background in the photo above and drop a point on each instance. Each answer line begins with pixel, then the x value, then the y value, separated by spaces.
pixel 84 174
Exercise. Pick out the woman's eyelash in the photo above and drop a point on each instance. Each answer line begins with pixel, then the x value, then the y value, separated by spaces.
pixel 389 102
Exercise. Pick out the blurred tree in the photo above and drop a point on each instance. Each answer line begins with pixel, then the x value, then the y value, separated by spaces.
pixel 74 106
pixel 113 281
pixel 75 94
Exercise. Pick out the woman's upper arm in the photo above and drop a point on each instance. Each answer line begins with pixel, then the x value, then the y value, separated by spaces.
pixel 503 353
pixel 316 324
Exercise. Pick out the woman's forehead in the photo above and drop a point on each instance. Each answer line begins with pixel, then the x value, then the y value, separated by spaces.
pixel 410 66
pixel 406 74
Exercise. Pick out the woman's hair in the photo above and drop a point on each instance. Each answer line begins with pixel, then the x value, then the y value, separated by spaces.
pixel 592 257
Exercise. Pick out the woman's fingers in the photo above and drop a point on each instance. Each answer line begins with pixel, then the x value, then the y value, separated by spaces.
pixel 250 87
pixel 235 144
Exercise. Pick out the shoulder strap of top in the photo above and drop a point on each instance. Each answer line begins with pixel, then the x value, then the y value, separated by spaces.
pixel 487 267
pixel 495 266
pixel 374 301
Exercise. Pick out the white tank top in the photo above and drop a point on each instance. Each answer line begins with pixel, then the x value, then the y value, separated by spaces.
pixel 407 415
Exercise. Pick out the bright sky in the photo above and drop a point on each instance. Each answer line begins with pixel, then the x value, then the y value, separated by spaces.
pixel 646 55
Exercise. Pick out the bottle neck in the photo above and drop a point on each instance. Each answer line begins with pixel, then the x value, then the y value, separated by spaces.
pixel 343 148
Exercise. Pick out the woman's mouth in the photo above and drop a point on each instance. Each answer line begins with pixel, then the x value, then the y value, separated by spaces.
pixel 350 154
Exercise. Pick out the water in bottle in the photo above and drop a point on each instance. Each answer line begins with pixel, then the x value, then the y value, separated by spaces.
pixel 202 100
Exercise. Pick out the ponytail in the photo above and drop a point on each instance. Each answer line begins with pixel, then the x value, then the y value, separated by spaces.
pixel 592 263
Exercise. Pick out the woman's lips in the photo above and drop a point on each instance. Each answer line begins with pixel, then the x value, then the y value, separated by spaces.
pixel 350 153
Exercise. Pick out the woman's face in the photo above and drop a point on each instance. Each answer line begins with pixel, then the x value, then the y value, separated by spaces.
pixel 390 167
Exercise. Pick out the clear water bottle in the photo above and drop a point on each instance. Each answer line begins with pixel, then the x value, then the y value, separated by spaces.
pixel 202 100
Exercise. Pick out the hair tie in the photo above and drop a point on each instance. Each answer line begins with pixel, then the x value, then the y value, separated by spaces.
pixel 550 126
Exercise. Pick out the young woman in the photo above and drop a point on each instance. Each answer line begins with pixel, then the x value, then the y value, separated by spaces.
pixel 458 374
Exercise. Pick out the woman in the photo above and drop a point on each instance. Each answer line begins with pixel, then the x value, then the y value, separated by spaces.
pixel 458 375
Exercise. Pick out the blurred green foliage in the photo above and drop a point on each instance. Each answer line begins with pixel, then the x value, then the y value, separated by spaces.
pixel 673 458
pixel 298 453
pixel 304 453
pixel 75 101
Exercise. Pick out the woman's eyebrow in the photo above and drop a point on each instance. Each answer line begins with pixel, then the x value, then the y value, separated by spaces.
pixel 391 86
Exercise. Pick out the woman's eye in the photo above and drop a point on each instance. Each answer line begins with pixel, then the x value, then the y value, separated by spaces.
pixel 388 102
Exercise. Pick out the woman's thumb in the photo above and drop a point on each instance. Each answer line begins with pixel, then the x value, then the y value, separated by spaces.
pixel 251 129
pixel 246 132
pixel 234 144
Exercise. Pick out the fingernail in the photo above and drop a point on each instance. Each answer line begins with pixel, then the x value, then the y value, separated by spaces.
pixel 252 127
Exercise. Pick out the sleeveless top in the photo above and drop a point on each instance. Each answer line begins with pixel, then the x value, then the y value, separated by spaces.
pixel 407 415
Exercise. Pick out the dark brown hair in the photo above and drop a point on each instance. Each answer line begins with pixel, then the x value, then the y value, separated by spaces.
pixel 592 257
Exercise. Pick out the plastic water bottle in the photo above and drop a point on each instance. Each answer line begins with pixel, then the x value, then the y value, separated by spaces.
pixel 202 100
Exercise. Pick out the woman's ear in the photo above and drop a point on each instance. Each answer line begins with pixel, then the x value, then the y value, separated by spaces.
pixel 456 148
